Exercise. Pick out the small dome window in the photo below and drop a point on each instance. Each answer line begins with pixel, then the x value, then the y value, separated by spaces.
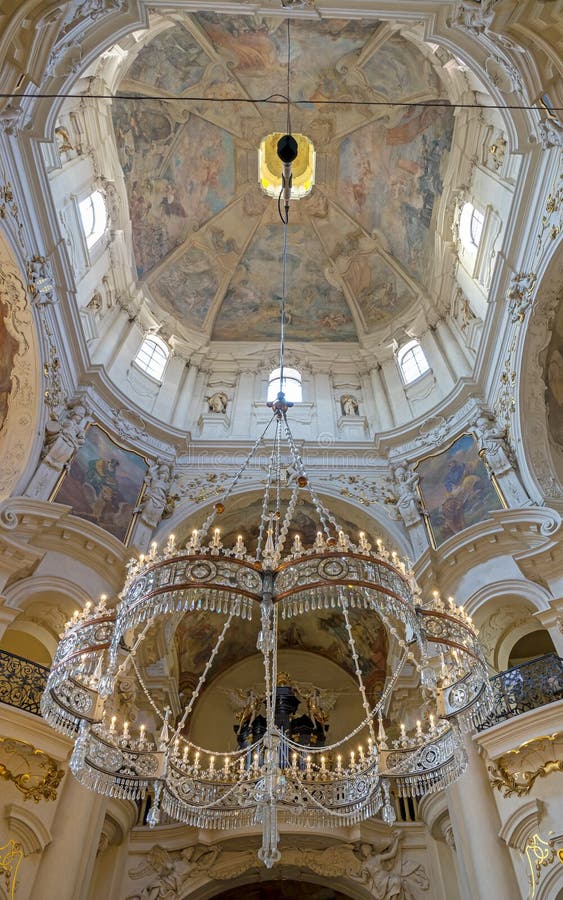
pixel 412 361
pixel 152 357
pixel 94 217
pixel 471 226
pixel 291 387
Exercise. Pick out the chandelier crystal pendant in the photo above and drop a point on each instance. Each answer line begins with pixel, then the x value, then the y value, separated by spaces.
pixel 275 778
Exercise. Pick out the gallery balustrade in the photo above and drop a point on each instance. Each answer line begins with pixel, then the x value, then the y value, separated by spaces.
pixel 22 682
pixel 525 687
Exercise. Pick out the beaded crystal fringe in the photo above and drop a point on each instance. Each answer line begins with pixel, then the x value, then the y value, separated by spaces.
pixel 112 785
pixel 247 816
pixel 213 600
pixel 429 782
pixel 62 721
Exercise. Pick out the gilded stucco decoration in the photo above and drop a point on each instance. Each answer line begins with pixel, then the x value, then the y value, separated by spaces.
pixel 520 295
pixel 32 771
pixel 11 855
pixel 515 773
pixel 366 491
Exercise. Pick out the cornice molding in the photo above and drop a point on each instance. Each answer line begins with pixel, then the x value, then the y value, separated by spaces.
pixel 506 736
pixel 529 531
pixel 32 527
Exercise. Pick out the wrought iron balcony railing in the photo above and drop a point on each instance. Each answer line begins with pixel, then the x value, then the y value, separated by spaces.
pixel 22 682
pixel 525 687
pixel 518 690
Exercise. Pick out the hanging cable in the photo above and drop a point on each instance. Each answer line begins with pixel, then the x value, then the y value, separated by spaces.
pixel 271 98
pixel 282 317
pixel 288 123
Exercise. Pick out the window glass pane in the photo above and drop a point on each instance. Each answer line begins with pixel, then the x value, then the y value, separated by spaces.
pixel 470 226
pixel 412 361
pixel 291 385
pixel 86 208
pixel 476 226
pixel 152 357
pixel 94 217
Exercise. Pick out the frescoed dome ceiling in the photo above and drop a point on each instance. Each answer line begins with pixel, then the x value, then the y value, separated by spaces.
pixel 207 241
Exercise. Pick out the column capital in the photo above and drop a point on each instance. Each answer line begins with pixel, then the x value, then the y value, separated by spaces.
pixel 552 617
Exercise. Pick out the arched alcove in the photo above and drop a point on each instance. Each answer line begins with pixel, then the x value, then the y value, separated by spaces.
pixel 243 510
pixel 280 889
pixel 530 646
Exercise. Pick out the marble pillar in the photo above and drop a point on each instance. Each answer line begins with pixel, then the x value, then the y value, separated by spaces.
pixel 66 864
pixel 482 855
pixel 381 400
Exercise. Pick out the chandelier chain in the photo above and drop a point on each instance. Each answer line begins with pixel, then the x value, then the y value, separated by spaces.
pixel 324 515
pixel 352 642
pixel 365 723
pixel 225 496
pixel 265 500
pixel 203 675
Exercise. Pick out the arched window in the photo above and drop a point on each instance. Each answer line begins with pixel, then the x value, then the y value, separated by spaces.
pixel 291 385
pixel 94 217
pixel 471 226
pixel 412 361
pixel 152 357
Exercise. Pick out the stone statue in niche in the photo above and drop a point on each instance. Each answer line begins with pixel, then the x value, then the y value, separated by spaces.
pixel 349 405
pixel 63 437
pixel 95 303
pixel 491 441
pixel 408 500
pixel 62 137
pixel 217 403
pixel 157 484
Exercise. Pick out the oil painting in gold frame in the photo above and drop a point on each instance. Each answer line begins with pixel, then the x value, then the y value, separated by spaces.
pixel 104 483
pixel 456 489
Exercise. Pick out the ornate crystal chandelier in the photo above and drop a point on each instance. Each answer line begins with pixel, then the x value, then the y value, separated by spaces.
pixel 272 776
pixel 275 778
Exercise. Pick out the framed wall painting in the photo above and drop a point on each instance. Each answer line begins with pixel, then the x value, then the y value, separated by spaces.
pixel 456 489
pixel 104 483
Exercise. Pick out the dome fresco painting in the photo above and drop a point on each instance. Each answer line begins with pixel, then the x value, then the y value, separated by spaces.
pixel 204 236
